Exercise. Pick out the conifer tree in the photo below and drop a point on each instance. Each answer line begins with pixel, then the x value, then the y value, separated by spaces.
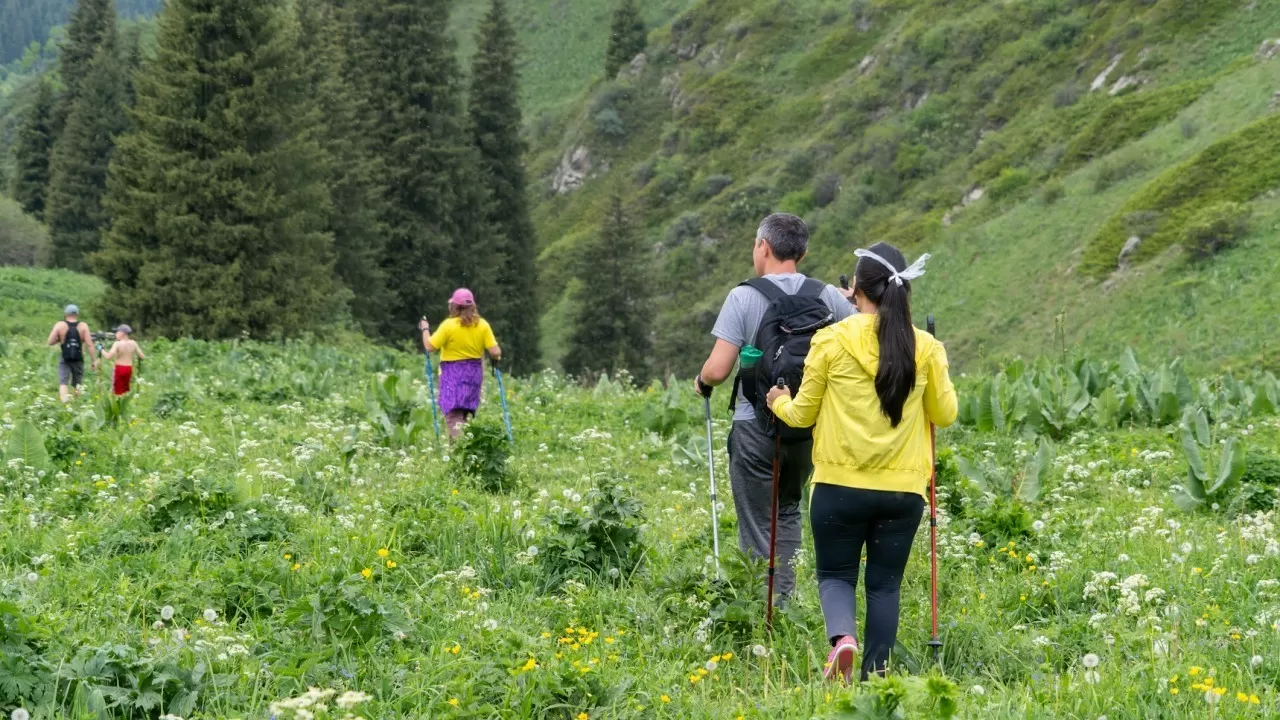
pixel 31 155
pixel 217 197
pixel 495 123
pixel 78 170
pixel 92 24
pixel 612 323
pixel 438 232
pixel 356 192
pixel 627 38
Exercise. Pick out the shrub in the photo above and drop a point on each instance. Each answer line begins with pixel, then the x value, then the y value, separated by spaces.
pixel 609 123
pixel 1066 96
pixel 1128 118
pixel 798 203
pixel 482 457
pixel 714 185
pixel 1142 223
pixel 1216 228
pixel 684 228
pixel 643 172
pixel 1114 171
pixel 1053 191
pixel 23 240
pixel 825 189
pixel 798 168
pixel 1009 183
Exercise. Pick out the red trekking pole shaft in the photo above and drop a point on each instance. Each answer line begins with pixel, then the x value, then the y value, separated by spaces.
pixel 934 642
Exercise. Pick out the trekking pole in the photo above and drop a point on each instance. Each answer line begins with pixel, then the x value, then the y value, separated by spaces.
pixel 502 395
pixel 934 642
pixel 773 522
pixel 711 472
pixel 431 388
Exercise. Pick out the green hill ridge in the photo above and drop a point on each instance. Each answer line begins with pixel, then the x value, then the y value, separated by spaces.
pixel 1021 143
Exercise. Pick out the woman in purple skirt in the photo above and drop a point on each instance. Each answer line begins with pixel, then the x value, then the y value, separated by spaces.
pixel 462 340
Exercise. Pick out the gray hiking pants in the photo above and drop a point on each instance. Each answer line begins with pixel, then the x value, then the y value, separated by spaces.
pixel 751 477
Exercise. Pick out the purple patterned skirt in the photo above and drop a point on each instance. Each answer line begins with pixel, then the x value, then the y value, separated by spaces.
pixel 460 382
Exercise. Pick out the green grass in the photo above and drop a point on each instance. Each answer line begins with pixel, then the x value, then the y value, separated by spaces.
pixel 31 300
pixel 240 530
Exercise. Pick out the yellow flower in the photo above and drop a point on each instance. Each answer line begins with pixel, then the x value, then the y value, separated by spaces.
pixel 454 702
pixel 383 552
pixel 982 596
pixel 1197 570
pixel 1241 697
pixel 1253 699
pixel 391 564
pixel 455 492
pixel 1032 567
pixel 1030 558
pixel 1220 691
pixel 455 649
pixel 296 567
pixel 288 556
pixel 695 679
pixel 367 573
pixel 546 635
pixel 609 640
pixel 1193 671
pixel 583 716
pixel 1022 598
pixel 665 698
pixel 1173 691
pixel 727 656
pixel 716 658
pixel 530 664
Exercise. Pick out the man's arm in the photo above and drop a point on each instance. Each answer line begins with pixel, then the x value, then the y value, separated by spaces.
pixel 55 337
pixel 86 337
pixel 730 337
pixel 720 363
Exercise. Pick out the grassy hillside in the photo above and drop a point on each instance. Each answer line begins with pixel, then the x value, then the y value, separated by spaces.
pixel 31 300
pixel 881 119
pixel 563 42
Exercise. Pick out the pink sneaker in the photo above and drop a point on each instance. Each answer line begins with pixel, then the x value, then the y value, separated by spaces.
pixel 841 659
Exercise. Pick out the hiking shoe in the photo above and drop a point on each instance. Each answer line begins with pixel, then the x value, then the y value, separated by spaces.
pixel 841 659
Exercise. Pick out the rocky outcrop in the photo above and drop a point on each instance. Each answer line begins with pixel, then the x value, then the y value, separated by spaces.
pixel 1268 49
pixel 1101 81
pixel 572 171
pixel 1124 83
pixel 867 65
pixel 1126 252
pixel 637 66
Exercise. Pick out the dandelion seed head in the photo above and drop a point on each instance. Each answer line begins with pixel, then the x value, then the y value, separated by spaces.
pixel 1090 660
pixel 166 613
pixel 210 615
pixel 20 714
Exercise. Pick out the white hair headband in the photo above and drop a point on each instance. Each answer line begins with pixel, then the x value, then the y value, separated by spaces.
pixel 913 271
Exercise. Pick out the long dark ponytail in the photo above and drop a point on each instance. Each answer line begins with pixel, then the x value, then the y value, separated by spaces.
pixel 896 377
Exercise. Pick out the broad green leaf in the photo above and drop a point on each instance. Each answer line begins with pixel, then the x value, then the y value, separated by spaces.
pixel 1202 427
pixel 1186 503
pixel 972 472
pixel 1191 449
pixel 1231 466
pixel 986 416
pixel 1129 363
pixel 1036 472
pixel 27 442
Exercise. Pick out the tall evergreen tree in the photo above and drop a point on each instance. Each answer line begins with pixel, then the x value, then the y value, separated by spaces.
pixel 31 154
pixel 438 232
pixel 217 196
pixel 627 38
pixel 92 24
pixel 495 123
pixel 78 170
pixel 612 323
pixel 357 194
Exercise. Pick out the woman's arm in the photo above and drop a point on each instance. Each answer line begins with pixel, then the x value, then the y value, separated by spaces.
pixel 802 411
pixel 495 352
pixel 940 404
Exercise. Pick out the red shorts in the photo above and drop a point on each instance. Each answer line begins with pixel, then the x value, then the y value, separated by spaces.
pixel 124 374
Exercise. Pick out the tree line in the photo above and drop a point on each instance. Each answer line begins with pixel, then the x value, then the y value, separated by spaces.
pixel 277 167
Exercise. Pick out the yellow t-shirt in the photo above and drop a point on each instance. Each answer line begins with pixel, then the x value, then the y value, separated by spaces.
pixel 456 342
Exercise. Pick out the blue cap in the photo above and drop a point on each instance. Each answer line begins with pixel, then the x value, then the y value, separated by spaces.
pixel 71 310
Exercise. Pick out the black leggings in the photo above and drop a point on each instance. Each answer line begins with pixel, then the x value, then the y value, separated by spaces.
pixel 844 521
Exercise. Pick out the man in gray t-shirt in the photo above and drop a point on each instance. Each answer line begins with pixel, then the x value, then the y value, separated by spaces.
pixel 781 242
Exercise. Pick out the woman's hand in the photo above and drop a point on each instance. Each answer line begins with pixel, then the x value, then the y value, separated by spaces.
pixel 775 393
pixel 423 325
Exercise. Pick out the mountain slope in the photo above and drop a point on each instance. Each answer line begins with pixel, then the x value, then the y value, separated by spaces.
pixel 1004 138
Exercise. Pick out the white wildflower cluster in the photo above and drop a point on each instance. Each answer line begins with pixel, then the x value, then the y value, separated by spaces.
pixel 316 701
pixel 591 434
pixel 1129 592
pixel 466 572
pixel 1152 456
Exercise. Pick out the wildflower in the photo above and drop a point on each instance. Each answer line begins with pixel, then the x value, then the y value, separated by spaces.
pixel 455 649
pixel 712 665
pixel 1241 697
pixel 1092 677
pixel 367 573
pixel 166 613
pixel 583 716
pixel 1194 670
pixel 20 714
pixel 454 701
pixel 760 651
pixel 529 664
pixel 1253 699
pixel 491 624
pixel 1256 661
pixel 32 577
pixel 532 551
pixel 383 552
pixel 1211 697
pixel 727 656
pixel 665 698
pixel 210 615
pixel 1090 661
pixel 288 556
pixel 351 698
pixel 978 690
pixel 1038 526
pixel 391 564
pixel 296 567
pixel 1173 691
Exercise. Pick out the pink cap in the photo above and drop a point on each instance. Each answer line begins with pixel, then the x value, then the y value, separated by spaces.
pixel 462 297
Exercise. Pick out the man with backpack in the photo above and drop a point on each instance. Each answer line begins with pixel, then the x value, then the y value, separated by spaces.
pixel 769 321
pixel 75 338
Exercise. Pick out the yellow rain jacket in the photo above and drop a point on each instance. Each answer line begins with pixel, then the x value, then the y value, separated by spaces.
pixel 853 442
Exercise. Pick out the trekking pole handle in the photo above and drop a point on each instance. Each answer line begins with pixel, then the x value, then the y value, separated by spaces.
pixel 704 389
pixel 844 281
pixel 933 329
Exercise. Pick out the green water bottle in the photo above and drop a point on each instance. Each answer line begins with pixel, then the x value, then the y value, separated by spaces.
pixel 748 357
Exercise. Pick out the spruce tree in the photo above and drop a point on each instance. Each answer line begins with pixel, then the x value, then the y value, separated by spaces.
pixel 438 232
pixel 612 323
pixel 31 155
pixel 495 123
pixel 92 24
pixel 627 38
pixel 78 170
pixel 217 196
pixel 353 175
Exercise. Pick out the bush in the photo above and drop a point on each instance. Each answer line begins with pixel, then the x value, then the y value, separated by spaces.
pixel 1216 228
pixel 1114 171
pixel 714 185
pixel 600 538
pixel 1129 118
pixel 609 123
pixel 798 203
pixel 482 456
pixel 825 189
pixel 1053 191
pixel 798 168
pixel 23 240
pixel 683 229
pixel 643 172
pixel 1009 183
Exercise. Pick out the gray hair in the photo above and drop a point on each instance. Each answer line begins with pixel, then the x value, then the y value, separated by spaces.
pixel 786 234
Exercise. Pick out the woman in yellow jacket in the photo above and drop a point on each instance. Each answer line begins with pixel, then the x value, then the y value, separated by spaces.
pixel 872 385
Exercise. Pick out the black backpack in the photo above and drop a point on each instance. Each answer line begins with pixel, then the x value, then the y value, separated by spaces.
pixel 783 337
pixel 71 350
